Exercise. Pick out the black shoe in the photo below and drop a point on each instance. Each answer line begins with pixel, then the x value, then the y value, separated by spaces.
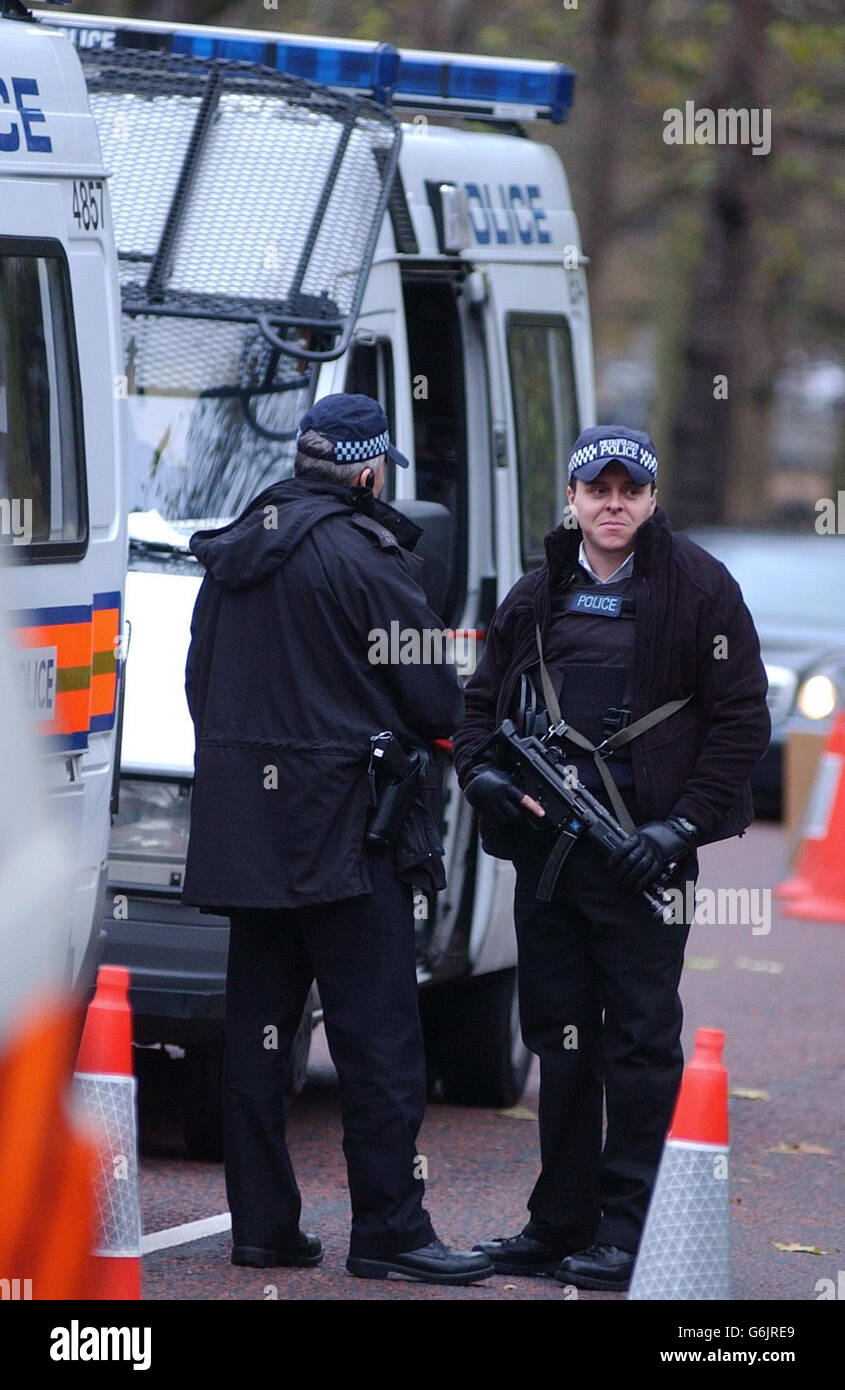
pixel 434 1263
pixel 523 1254
pixel 600 1267
pixel 303 1252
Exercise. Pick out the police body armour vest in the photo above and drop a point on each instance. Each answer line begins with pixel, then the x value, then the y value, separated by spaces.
pixel 589 651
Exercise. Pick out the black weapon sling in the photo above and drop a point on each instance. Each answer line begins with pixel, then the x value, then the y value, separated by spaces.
pixel 608 745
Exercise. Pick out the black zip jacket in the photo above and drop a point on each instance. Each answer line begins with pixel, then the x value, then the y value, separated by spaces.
pixel 693 635
pixel 284 697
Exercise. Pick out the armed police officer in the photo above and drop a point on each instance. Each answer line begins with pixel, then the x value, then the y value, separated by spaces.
pixel 285 700
pixel 640 641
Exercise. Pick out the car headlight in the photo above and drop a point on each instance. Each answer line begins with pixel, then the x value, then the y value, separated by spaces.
pixel 817 697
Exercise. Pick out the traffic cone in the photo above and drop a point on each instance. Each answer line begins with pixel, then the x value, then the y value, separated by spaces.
pixel 48 1166
pixel 685 1248
pixel 817 892
pixel 105 1089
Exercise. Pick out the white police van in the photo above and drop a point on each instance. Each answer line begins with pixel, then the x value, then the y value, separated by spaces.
pixel 275 247
pixel 62 502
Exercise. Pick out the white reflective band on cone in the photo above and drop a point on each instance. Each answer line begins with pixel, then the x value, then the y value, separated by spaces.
pixel 108 1103
pixel 685 1249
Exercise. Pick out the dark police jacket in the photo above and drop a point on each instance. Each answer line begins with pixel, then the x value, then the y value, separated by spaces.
pixel 697 762
pixel 284 698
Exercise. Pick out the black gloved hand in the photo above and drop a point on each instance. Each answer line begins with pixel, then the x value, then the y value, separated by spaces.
pixel 494 795
pixel 643 856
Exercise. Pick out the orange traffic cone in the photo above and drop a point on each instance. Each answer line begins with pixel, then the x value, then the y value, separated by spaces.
pixel 106 1090
pixel 685 1248
pixel 817 892
pixel 48 1167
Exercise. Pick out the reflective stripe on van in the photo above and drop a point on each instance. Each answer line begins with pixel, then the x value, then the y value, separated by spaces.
pixel 105 625
pixel 68 668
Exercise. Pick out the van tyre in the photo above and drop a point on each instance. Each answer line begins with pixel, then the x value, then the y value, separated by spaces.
pixel 473 1040
pixel 202 1122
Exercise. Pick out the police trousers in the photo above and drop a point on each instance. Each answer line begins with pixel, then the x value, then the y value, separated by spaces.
pixel 361 953
pixel 599 1005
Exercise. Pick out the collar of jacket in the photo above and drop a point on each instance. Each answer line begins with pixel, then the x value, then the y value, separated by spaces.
pixel 651 547
pixel 406 531
pixel 358 499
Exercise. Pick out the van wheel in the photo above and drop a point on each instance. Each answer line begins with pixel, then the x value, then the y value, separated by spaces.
pixel 202 1122
pixel 473 1040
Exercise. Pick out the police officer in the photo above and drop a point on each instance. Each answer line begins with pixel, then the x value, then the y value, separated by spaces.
pixel 641 642
pixel 285 697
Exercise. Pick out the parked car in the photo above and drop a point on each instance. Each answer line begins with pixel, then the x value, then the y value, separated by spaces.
pixel 794 585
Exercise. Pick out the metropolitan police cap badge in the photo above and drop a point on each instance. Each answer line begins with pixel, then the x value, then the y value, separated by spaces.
pixel 602 444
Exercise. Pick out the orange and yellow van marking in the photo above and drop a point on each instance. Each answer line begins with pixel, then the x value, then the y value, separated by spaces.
pixel 68 668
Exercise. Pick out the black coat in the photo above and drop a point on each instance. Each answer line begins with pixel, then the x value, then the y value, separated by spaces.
pixel 284 698
pixel 697 762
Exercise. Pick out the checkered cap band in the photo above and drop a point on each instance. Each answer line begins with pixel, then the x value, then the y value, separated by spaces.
pixel 348 450
pixel 644 457
pixel 582 456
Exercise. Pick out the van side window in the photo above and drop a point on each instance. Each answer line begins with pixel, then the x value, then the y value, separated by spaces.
pixel 43 493
pixel 546 417
pixel 369 372
pixel 438 391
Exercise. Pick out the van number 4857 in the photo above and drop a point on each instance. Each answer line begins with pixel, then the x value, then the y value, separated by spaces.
pixel 88 209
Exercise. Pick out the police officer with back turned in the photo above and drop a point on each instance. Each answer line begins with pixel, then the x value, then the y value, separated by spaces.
pixel 285 700
pixel 640 641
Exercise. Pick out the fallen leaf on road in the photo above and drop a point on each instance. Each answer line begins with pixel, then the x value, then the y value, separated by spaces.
pixel 800 1148
pixel 769 967
pixel 793 1249
pixel 701 962
pixel 745 1094
pixel 517 1112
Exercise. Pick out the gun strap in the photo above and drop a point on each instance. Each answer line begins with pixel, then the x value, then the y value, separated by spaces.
pixel 617 740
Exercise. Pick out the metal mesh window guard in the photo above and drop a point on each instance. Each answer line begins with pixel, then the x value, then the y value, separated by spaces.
pixel 242 194
pixel 246 209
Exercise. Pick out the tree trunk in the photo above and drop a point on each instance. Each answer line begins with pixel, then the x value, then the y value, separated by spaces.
pixel 617 30
pixel 720 444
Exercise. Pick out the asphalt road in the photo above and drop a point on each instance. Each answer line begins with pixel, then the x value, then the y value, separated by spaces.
pixel 777 995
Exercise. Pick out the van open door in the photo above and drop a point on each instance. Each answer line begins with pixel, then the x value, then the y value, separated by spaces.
pixel 541 369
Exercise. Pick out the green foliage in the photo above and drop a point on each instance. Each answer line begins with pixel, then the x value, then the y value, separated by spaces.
pixel 373 24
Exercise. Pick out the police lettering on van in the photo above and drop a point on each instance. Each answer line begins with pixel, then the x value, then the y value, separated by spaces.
pixel 511 212
pixel 26 115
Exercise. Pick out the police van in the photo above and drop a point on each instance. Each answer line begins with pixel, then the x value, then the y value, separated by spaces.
pixel 296 217
pixel 62 503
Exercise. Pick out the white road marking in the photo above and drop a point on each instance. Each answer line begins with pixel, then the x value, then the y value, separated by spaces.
pixel 182 1235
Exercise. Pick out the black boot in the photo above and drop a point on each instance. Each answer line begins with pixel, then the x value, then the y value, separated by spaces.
pixel 434 1263
pixel 524 1254
pixel 600 1267
pixel 303 1251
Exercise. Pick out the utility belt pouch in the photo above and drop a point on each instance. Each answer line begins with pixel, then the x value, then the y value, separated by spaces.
pixel 394 777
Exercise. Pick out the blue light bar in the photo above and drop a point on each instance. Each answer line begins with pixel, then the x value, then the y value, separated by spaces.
pixel 450 83
pixel 345 64
pixel 473 82
pixel 371 68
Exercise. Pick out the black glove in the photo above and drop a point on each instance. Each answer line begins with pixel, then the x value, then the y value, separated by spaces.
pixel 643 856
pixel 494 795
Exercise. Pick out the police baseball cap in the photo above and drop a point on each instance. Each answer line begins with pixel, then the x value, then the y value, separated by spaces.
pixel 356 425
pixel 602 444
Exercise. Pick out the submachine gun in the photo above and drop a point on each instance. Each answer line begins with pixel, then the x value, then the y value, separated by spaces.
pixel 572 812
